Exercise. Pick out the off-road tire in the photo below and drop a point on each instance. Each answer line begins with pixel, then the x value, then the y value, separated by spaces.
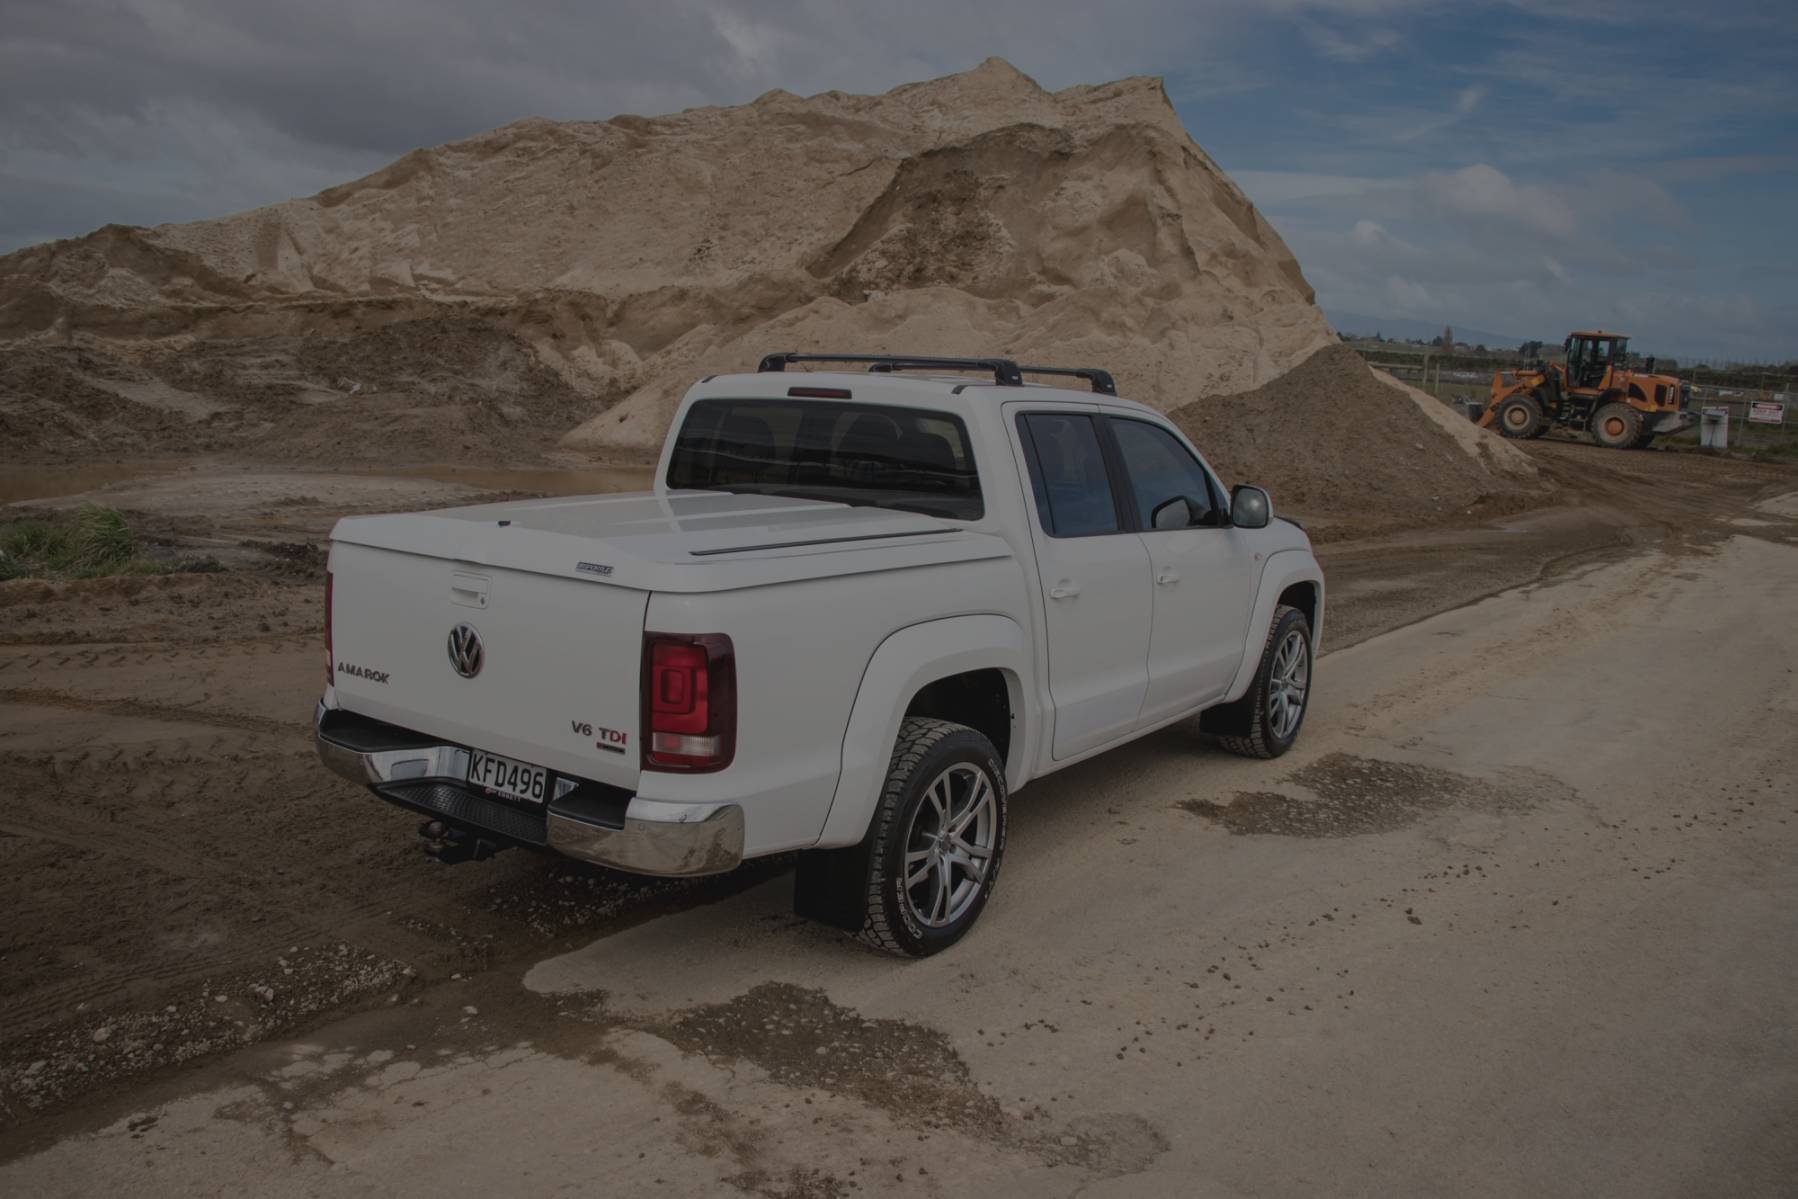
pixel 1616 426
pixel 1644 441
pixel 1520 417
pixel 926 747
pixel 1243 727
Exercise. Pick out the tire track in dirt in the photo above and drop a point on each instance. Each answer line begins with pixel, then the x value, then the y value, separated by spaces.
pixel 136 709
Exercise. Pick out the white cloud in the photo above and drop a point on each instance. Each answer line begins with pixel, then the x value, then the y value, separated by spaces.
pixel 1484 191
pixel 1344 47
pixel 1406 297
pixel 1465 101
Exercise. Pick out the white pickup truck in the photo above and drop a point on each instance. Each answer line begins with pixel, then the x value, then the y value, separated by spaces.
pixel 858 611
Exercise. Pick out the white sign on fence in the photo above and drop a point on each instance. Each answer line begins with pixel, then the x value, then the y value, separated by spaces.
pixel 1766 412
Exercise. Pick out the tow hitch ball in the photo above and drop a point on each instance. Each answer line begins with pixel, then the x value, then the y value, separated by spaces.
pixel 451 845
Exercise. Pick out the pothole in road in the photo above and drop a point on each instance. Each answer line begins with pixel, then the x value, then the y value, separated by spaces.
pixel 1347 796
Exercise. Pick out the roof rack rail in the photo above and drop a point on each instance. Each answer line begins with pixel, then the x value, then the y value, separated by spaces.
pixel 1101 381
pixel 1006 373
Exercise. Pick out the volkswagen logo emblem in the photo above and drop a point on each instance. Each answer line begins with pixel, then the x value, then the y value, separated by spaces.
pixel 465 652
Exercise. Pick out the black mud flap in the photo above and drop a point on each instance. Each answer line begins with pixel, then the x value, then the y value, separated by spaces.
pixel 1227 720
pixel 831 886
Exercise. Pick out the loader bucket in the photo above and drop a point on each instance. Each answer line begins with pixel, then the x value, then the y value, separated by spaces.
pixel 1482 414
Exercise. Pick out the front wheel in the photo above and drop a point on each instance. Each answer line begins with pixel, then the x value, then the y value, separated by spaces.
pixel 1265 722
pixel 1520 417
pixel 938 837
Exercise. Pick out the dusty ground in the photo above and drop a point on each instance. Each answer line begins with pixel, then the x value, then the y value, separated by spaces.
pixel 1518 905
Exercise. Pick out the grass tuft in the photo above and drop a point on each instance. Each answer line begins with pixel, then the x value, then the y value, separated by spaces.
pixel 95 543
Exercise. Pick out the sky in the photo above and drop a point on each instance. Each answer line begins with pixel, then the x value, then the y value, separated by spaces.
pixel 1520 166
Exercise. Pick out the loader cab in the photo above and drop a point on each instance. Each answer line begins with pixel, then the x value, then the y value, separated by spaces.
pixel 1591 357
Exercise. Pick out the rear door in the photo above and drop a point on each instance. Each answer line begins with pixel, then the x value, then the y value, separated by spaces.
pixel 1205 572
pixel 1095 580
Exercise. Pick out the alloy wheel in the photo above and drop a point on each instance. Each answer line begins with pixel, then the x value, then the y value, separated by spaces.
pixel 1287 685
pixel 949 847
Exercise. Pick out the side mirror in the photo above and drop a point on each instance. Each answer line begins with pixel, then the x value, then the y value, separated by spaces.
pixel 1250 507
pixel 1172 514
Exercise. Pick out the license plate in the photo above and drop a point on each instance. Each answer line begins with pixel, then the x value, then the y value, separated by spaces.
pixel 504 776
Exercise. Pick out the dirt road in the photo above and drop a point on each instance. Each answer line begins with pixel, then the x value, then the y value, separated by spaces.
pixel 1516 917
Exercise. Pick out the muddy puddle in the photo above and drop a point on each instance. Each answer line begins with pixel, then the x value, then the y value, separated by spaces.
pixel 591 480
pixel 19 484
pixel 1343 795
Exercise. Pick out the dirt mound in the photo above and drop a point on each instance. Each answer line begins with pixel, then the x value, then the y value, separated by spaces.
pixel 1347 449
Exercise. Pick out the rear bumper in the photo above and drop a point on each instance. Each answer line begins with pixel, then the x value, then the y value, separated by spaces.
pixel 592 823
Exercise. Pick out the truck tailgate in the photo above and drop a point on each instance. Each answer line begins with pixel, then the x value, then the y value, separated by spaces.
pixel 559 658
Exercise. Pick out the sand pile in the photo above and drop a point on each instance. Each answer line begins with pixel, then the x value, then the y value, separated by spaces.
pixel 585 273
pixel 973 213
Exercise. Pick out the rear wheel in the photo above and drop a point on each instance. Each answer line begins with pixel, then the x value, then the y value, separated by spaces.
pixel 1520 416
pixel 937 838
pixel 1616 426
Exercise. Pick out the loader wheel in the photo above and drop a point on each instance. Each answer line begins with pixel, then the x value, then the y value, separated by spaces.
pixel 1519 417
pixel 1644 441
pixel 1616 426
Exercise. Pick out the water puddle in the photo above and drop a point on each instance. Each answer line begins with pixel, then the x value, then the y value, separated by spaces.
pixel 588 480
pixel 19 484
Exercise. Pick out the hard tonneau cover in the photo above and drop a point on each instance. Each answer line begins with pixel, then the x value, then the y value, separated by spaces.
pixel 677 542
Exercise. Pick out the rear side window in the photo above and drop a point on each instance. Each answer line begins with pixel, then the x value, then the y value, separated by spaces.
pixel 886 457
pixel 1067 473
pixel 1160 469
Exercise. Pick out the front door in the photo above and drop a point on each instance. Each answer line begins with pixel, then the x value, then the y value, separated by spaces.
pixel 1095 582
pixel 1204 570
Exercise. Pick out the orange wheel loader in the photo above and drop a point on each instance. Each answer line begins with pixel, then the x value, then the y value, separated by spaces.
pixel 1593 392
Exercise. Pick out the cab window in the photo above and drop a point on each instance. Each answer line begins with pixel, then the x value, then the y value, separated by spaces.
pixel 1067 474
pixel 1160 469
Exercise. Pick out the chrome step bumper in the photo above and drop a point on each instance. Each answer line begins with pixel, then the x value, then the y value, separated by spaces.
pixel 649 837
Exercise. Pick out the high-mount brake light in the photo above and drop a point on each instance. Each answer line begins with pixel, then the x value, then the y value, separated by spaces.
pixel 689 702
pixel 820 393
pixel 330 657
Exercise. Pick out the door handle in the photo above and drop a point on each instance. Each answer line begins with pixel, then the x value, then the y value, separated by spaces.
pixel 1168 575
pixel 1066 589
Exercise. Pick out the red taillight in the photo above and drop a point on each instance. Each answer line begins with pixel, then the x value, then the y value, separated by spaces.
pixel 330 658
pixel 689 702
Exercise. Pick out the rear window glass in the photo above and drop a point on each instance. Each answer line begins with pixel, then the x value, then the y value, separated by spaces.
pixel 905 458
pixel 1067 473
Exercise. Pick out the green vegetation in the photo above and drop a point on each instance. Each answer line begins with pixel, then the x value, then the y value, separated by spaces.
pixel 92 543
